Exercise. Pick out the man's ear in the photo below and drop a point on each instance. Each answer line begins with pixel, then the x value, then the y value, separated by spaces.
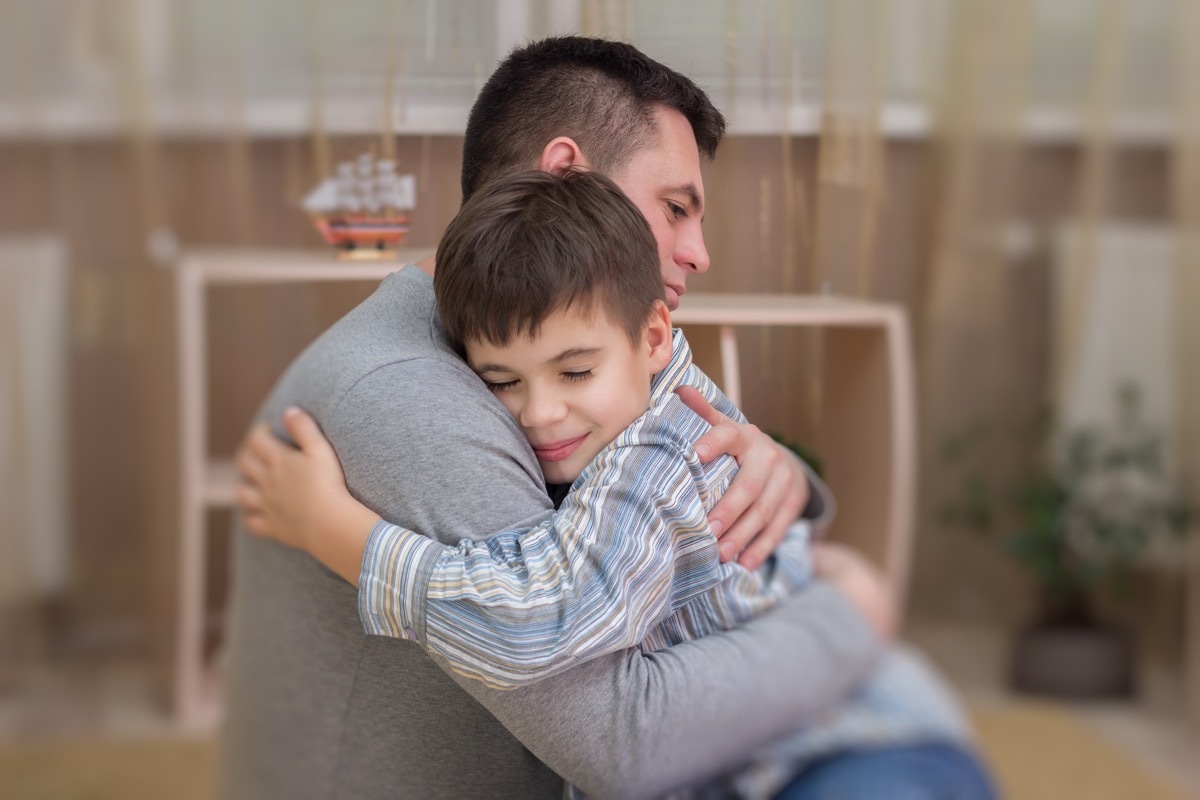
pixel 560 154
pixel 658 336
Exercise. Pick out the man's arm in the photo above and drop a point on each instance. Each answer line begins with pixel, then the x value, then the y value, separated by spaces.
pixel 625 724
pixel 638 725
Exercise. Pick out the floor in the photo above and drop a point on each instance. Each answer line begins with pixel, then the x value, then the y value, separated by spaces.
pixel 1151 728
pixel 113 697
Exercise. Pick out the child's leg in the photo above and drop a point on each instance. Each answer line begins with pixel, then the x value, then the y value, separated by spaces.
pixel 904 703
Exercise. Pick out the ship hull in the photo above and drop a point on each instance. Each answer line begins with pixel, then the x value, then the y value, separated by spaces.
pixel 363 236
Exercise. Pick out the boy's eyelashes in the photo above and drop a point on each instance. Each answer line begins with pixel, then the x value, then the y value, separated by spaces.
pixel 677 211
pixel 569 376
pixel 499 386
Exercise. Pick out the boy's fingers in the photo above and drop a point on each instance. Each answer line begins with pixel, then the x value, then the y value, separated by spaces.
pixel 249 465
pixel 248 497
pixel 258 442
pixel 304 430
pixel 256 524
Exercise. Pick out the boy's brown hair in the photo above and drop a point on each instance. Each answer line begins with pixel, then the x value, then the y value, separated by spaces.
pixel 530 244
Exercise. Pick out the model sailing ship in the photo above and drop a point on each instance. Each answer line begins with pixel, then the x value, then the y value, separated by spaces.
pixel 362 210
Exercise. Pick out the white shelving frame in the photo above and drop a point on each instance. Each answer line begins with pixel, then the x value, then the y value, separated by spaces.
pixel 208 483
pixel 867 436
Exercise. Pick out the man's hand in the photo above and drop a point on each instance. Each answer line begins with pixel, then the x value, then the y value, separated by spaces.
pixel 865 587
pixel 765 497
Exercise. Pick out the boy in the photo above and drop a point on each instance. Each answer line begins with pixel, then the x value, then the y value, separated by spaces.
pixel 574 338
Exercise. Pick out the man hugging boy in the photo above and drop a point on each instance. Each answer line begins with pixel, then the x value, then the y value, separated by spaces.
pixel 550 287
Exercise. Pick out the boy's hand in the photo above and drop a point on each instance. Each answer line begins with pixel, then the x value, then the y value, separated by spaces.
pixel 765 497
pixel 298 495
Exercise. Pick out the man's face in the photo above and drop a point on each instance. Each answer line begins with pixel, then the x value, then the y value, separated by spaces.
pixel 663 181
pixel 573 386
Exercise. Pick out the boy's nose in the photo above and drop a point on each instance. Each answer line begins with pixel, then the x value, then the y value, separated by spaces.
pixel 542 409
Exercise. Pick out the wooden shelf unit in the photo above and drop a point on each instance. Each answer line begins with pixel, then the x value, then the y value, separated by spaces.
pixel 207 483
pixel 867 433
pixel 867 439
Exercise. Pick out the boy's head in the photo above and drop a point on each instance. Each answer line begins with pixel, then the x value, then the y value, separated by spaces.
pixel 572 101
pixel 550 285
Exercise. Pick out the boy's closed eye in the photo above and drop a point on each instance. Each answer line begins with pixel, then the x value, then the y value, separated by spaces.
pixel 578 375
pixel 500 386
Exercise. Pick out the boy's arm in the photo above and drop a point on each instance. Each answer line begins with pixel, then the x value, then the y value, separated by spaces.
pixel 297 495
pixel 626 548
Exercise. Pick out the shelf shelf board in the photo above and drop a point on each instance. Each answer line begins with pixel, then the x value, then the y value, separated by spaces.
pixel 233 267
pixel 220 482
pixel 783 309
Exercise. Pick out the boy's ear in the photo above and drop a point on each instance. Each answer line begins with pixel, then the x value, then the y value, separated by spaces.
pixel 658 336
pixel 562 153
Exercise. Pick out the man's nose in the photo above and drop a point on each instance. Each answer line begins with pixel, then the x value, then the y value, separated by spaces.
pixel 690 250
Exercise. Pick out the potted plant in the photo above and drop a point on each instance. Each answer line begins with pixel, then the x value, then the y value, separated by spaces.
pixel 1082 519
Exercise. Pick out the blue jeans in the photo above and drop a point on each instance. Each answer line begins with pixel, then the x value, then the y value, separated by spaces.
pixel 904 772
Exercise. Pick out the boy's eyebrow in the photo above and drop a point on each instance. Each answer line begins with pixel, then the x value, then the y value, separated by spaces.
pixel 491 368
pixel 574 352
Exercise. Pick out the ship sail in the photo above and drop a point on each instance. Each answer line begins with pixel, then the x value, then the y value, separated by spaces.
pixel 363 208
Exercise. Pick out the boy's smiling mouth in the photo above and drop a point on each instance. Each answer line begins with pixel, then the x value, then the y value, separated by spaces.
pixel 558 451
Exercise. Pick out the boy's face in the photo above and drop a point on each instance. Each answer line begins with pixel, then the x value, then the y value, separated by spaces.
pixel 663 180
pixel 574 385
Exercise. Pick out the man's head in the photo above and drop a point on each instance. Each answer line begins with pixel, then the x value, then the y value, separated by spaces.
pixel 550 285
pixel 578 102
pixel 600 93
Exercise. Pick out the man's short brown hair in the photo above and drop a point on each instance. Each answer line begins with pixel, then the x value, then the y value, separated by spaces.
pixel 530 244
pixel 601 93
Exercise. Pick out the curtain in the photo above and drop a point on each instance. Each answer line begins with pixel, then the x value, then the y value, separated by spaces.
pixel 929 153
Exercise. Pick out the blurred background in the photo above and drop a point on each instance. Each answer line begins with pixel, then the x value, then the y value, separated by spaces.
pixel 1020 177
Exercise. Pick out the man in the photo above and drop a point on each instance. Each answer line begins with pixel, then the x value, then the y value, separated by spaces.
pixel 317 709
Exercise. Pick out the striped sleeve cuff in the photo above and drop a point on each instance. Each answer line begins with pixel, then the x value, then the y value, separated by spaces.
pixel 393 582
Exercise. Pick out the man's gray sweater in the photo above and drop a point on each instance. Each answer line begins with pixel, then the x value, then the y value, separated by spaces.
pixel 318 709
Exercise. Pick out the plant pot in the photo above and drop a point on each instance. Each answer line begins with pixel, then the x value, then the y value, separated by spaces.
pixel 1082 661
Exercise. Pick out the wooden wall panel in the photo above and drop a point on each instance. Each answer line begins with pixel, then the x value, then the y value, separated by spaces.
pixel 122 392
